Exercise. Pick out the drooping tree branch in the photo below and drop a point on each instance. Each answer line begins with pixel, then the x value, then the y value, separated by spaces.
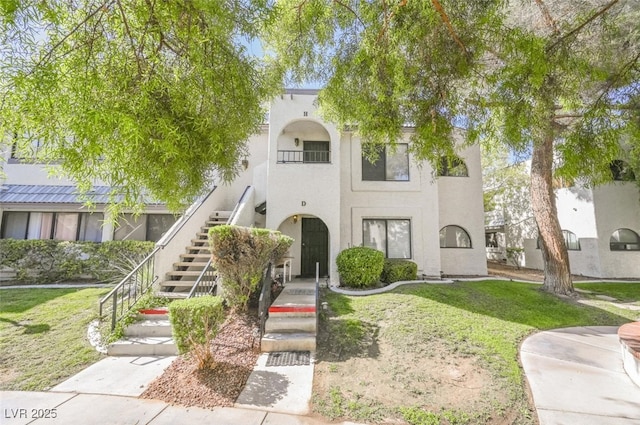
pixel 551 23
pixel 577 29
pixel 445 18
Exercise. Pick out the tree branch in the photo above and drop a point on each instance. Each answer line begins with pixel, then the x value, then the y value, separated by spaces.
pixel 547 16
pixel 599 13
pixel 445 18
pixel 49 53
pixel 128 32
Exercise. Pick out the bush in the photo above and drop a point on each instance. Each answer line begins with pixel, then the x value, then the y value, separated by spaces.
pixel 240 255
pixel 195 322
pixel 395 270
pixel 50 261
pixel 360 267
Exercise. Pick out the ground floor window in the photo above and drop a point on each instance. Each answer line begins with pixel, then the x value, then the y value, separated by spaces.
pixel 624 240
pixel 454 237
pixel 63 226
pixel 83 226
pixel 391 236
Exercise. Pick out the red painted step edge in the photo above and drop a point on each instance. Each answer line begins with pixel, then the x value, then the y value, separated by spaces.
pixel 153 311
pixel 292 309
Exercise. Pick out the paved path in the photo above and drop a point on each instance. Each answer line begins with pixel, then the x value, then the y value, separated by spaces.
pixel 576 377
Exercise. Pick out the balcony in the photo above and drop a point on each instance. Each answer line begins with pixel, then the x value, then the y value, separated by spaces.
pixel 303 157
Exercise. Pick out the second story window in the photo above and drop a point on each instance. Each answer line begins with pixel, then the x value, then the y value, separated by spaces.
pixel 391 165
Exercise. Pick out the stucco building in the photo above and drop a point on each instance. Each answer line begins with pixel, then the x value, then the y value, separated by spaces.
pixel 308 179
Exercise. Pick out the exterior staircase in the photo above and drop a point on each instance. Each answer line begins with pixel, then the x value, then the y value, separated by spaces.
pixel 292 323
pixel 180 280
pixel 149 336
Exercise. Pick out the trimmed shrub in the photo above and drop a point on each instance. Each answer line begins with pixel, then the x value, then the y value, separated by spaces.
pixel 360 267
pixel 50 261
pixel 195 322
pixel 395 270
pixel 240 255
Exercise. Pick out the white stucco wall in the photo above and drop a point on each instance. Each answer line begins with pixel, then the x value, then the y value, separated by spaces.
pixel 617 205
pixel 461 204
pixel 303 189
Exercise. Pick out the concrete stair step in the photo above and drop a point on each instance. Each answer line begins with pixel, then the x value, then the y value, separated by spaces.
pixel 200 242
pixel 199 264
pixel 291 324
pixel 202 249
pixel 158 313
pixel 172 295
pixel 290 310
pixel 177 283
pixel 204 235
pixel 184 273
pixel 204 257
pixel 299 341
pixel 141 346
pixel 149 328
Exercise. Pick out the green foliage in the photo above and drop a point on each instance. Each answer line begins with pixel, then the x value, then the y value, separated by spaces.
pixel 195 322
pixel 395 270
pixel 240 256
pixel 169 84
pixel 360 267
pixel 50 261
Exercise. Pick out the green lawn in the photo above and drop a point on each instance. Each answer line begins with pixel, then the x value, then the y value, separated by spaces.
pixel 487 320
pixel 44 335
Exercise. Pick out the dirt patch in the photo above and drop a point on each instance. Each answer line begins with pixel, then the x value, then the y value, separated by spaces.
pixel 235 353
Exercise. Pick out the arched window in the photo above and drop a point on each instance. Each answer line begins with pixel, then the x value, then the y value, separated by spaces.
pixel 452 167
pixel 621 171
pixel 454 237
pixel 571 241
pixel 624 240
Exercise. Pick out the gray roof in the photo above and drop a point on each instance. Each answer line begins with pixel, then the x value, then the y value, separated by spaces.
pixel 52 194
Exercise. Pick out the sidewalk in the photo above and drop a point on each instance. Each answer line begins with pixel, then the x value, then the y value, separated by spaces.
pixel 576 377
pixel 107 393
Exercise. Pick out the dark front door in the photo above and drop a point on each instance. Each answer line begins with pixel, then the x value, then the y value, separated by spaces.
pixel 315 247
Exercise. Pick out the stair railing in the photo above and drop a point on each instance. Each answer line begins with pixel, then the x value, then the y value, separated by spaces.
pixel 207 282
pixel 264 302
pixel 138 282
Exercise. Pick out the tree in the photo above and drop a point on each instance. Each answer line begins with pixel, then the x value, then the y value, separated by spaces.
pixel 149 97
pixel 557 82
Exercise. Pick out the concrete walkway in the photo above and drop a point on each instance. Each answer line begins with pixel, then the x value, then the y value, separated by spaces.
pixel 576 377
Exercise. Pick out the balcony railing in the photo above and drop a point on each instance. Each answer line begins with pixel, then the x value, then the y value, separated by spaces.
pixel 304 157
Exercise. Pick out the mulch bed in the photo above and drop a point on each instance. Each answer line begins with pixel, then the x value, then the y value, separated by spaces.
pixel 236 350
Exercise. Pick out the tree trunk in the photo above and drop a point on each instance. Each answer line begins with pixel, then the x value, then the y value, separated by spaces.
pixel 557 274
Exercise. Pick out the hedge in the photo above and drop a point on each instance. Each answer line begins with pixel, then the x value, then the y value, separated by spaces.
pixel 195 322
pixel 395 270
pixel 360 267
pixel 50 261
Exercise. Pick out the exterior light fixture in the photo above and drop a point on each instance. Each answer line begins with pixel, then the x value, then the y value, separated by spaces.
pixel 245 163
pixel 295 218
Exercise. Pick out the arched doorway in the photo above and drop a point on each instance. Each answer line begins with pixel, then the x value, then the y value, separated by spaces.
pixel 315 247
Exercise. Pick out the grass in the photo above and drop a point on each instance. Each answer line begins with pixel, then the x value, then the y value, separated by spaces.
pixel 44 335
pixel 486 320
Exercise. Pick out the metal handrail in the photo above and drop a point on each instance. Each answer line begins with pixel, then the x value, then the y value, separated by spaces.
pixel 264 301
pixel 207 281
pixel 179 224
pixel 129 290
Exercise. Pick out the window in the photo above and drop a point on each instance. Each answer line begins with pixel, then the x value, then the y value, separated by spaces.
pixel 571 240
pixel 391 236
pixel 158 224
pixel 454 237
pixel 131 227
pixel 621 171
pixel 26 152
pixel 315 152
pixel 49 225
pixel 390 166
pixel 624 240
pixel 452 167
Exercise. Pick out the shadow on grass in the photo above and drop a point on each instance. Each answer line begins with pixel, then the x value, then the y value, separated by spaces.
pixel 23 299
pixel 516 302
pixel 28 329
